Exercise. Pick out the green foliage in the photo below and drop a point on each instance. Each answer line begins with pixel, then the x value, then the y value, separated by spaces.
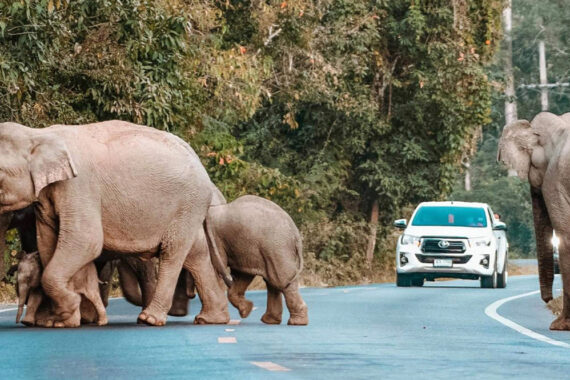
pixel 322 106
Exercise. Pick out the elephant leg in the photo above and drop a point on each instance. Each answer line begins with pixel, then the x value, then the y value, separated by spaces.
pixel 190 286
pixel 91 292
pixel 105 270
pixel 181 300
pixel 175 248
pixel 236 293
pixel 73 251
pixel 129 283
pixel 274 311
pixel 563 320
pixel 297 307
pixel 543 233
pixel 146 277
pixel 211 291
pixel 34 301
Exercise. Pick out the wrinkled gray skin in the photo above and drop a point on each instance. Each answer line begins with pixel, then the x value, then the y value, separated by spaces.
pixel 84 282
pixel 254 236
pixel 92 181
pixel 539 151
pixel 258 238
pixel 132 271
pixel 185 287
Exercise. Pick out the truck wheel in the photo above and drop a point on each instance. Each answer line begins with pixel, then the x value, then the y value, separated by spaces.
pixel 417 281
pixel 403 280
pixel 489 282
pixel 503 277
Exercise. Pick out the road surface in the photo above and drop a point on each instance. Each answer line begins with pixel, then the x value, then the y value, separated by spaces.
pixel 366 332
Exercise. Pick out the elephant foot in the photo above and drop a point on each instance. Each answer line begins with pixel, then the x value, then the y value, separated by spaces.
pixel 299 317
pixel 150 319
pixel 102 321
pixel 298 320
pixel 205 318
pixel 560 324
pixel 178 311
pixel 45 323
pixel 73 321
pixel 271 319
pixel 69 307
pixel 546 296
pixel 28 321
pixel 245 308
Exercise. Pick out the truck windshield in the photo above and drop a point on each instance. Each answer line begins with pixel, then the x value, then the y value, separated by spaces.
pixel 450 216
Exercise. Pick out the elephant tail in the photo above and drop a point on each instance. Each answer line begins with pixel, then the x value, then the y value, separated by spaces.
pixel 298 255
pixel 215 254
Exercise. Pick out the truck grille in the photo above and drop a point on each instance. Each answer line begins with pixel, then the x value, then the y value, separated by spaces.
pixel 427 259
pixel 442 246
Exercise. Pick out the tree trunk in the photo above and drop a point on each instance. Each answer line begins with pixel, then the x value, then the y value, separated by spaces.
pixel 510 99
pixel 373 229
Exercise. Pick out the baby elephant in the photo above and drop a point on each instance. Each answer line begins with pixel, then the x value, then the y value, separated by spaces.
pixel 85 282
pixel 257 237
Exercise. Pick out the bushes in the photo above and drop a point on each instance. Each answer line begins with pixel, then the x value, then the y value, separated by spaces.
pixel 325 107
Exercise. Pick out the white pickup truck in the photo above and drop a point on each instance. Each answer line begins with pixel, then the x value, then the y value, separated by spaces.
pixel 452 239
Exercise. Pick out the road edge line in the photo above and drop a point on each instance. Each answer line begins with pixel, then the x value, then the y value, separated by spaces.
pixel 491 312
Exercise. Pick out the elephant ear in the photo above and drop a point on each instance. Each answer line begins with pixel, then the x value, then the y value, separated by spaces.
pixel 516 145
pixel 50 162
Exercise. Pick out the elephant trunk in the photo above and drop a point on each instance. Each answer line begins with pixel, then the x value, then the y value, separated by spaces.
pixel 215 254
pixel 23 293
pixel 543 232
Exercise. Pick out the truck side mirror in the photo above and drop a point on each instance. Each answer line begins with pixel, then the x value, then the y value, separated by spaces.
pixel 499 226
pixel 401 224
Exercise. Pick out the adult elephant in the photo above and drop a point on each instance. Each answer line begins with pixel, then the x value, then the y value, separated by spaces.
pixel 133 272
pixel 539 151
pixel 113 185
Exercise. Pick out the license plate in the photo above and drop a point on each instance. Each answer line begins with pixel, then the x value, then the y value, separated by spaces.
pixel 442 263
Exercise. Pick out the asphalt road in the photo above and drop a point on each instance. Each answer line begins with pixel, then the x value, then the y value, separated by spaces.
pixel 367 332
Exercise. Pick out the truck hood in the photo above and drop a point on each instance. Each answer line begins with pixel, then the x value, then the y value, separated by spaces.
pixel 449 232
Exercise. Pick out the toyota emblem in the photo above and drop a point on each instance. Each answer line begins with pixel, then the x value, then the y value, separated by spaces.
pixel 443 244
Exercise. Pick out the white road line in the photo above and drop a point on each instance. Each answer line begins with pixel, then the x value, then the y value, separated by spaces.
pixel 491 311
pixel 270 366
pixel 230 330
pixel 11 309
pixel 234 322
pixel 227 339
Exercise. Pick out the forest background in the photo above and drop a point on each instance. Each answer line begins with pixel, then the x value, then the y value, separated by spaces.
pixel 346 113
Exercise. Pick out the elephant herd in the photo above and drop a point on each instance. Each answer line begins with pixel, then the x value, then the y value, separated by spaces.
pixel 91 198
pixel 539 151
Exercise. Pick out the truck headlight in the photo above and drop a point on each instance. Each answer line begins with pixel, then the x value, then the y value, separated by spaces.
pixel 481 242
pixel 410 239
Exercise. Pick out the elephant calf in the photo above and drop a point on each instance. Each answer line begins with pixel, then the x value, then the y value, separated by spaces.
pixel 258 238
pixel 85 282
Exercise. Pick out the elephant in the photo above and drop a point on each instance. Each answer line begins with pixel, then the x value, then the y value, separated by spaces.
pixel 132 271
pixel 256 237
pixel 114 186
pixel 539 151
pixel 85 282
pixel 134 289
